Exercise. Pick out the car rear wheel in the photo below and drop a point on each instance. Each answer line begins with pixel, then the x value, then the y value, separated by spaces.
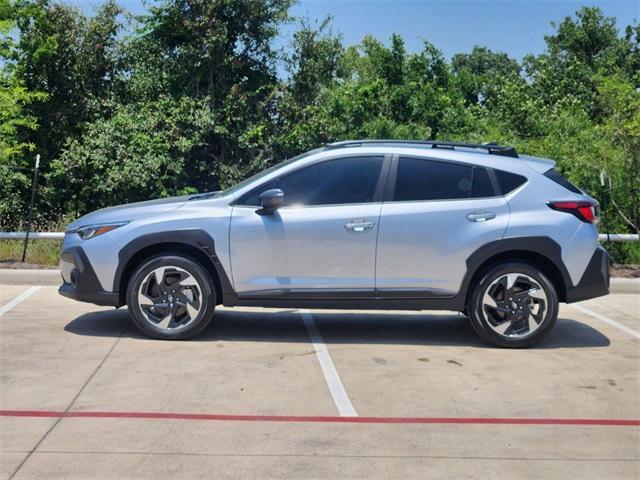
pixel 171 297
pixel 513 305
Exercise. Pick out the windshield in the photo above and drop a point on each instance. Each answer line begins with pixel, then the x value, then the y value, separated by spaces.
pixel 266 172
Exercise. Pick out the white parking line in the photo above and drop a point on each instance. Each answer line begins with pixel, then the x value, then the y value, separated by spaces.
pixel 338 392
pixel 611 322
pixel 19 299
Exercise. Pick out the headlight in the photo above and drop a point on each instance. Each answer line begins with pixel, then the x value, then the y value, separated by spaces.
pixel 91 231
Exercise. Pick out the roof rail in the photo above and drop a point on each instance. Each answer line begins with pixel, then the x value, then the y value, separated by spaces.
pixel 491 148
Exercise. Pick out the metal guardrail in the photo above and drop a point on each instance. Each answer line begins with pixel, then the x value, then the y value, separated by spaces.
pixel 603 237
pixel 22 235
pixel 619 237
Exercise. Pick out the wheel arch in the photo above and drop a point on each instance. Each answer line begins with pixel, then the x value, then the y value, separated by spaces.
pixel 196 244
pixel 541 252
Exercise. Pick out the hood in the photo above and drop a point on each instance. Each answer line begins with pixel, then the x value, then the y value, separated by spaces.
pixel 130 211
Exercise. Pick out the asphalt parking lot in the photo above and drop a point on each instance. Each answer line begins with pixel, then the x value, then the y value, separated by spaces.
pixel 321 394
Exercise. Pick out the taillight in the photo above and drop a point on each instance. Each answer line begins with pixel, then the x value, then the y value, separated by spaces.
pixel 585 211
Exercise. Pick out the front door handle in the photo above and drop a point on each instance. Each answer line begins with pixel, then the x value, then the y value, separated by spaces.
pixel 359 226
pixel 480 216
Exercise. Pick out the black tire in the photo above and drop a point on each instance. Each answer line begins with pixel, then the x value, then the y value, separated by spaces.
pixel 201 295
pixel 518 333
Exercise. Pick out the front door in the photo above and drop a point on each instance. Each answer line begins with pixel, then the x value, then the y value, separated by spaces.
pixel 322 243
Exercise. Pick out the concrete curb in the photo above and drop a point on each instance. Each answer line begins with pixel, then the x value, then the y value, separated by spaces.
pixel 52 277
pixel 30 276
pixel 625 285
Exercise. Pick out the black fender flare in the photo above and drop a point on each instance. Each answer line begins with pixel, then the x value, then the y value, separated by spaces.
pixel 193 238
pixel 543 246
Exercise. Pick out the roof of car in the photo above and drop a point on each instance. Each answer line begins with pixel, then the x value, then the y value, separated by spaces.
pixel 487 154
pixel 490 148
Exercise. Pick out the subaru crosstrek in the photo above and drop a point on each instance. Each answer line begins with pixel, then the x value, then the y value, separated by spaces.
pixel 371 224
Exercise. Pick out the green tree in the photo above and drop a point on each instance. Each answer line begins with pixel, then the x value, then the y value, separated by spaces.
pixel 583 46
pixel 70 58
pixel 314 62
pixel 142 151
pixel 58 66
pixel 590 37
pixel 220 51
pixel 14 152
pixel 14 149
pixel 621 104
pixel 480 71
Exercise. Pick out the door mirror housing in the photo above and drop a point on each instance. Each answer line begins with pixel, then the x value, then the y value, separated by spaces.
pixel 271 200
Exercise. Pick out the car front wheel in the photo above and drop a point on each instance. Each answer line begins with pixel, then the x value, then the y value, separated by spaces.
pixel 171 297
pixel 513 305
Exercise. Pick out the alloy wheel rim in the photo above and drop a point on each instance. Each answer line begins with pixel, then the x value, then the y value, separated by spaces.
pixel 514 305
pixel 170 298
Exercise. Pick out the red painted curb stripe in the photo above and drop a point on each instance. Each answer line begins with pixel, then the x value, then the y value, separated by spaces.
pixel 323 419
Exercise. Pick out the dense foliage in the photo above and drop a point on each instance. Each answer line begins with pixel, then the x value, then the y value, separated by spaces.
pixel 194 95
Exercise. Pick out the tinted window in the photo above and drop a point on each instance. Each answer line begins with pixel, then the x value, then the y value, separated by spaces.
pixel 560 180
pixel 267 171
pixel 420 179
pixel 509 181
pixel 481 184
pixel 345 180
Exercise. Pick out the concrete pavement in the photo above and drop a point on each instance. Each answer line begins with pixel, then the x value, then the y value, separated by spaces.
pixel 60 356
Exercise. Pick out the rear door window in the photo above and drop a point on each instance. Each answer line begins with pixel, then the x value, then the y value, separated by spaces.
pixel 482 186
pixel 508 181
pixel 424 179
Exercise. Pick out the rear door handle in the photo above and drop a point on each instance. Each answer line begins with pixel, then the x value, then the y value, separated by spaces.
pixel 359 226
pixel 480 216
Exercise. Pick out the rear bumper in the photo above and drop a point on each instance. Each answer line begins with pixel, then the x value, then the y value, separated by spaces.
pixel 80 281
pixel 594 281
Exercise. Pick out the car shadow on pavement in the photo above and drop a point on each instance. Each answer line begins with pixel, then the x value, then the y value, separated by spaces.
pixel 415 328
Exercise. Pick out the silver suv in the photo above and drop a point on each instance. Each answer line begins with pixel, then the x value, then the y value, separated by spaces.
pixel 371 224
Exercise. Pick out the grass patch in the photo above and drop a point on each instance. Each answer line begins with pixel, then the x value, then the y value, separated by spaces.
pixel 623 252
pixel 39 252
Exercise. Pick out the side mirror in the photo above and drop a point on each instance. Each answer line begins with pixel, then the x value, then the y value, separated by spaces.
pixel 271 200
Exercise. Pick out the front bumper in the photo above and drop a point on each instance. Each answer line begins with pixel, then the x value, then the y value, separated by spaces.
pixel 80 281
pixel 594 281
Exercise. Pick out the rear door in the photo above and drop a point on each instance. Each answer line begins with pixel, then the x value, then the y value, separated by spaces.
pixel 322 243
pixel 438 214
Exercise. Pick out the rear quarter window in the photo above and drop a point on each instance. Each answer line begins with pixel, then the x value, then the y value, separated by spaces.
pixel 555 176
